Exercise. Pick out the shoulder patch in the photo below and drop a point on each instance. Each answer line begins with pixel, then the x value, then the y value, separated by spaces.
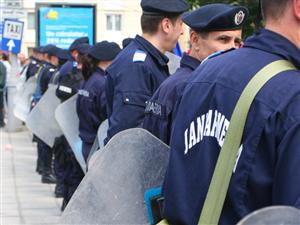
pixel 139 56
pixel 83 92
pixel 213 55
pixel 155 109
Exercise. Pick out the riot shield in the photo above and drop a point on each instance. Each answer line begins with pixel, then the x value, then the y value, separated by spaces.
pixel 101 135
pixel 68 121
pixel 23 98
pixel 283 215
pixel 112 192
pixel 41 120
pixel 174 62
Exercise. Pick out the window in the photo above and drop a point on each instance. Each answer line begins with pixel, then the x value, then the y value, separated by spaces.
pixel 31 20
pixel 113 22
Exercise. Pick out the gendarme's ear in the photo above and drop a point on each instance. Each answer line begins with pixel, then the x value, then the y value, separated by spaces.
pixel 296 8
pixel 166 24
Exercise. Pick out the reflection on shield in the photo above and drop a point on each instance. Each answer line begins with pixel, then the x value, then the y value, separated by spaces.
pixel 101 135
pixel 112 192
pixel 174 62
pixel 23 98
pixel 68 121
pixel 284 215
pixel 41 120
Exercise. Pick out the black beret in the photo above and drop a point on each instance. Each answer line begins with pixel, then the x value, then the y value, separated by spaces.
pixel 126 42
pixel 104 51
pixel 161 7
pixel 49 49
pixel 53 50
pixel 77 42
pixel 83 48
pixel 216 17
pixel 63 54
pixel 38 49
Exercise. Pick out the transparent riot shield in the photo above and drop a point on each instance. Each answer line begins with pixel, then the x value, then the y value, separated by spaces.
pixel 112 192
pixel 283 215
pixel 68 121
pixel 23 98
pixel 99 142
pixel 41 120
pixel 174 62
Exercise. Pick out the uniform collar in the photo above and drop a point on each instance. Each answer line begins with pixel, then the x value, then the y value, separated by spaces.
pixel 274 43
pixel 189 61
pixel 161 58
pixel 99 70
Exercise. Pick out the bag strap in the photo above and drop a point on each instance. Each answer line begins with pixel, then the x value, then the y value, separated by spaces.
pixel 216 195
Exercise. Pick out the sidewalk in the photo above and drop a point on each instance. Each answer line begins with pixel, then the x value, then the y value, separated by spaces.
pixel 24 199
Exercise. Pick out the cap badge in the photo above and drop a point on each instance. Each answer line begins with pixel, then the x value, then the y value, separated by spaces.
pixel 239 17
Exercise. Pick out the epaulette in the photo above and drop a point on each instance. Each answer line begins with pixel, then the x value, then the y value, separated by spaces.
pixel 215 54
pixel 83 93
pixel 139 56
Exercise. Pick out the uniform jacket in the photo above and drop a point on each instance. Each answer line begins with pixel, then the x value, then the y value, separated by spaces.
pixel 132 79
pixel 267 167
pixel 91 106
pixel 158 113
pixel 33 67
pixel 2 76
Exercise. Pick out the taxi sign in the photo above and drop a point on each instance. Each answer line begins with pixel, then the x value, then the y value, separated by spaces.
pixel 12 35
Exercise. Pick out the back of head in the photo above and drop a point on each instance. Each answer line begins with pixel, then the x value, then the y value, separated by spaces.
pixel 77 42
pixel 274 9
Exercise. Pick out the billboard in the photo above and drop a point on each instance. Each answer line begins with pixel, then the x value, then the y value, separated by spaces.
pixel 61 24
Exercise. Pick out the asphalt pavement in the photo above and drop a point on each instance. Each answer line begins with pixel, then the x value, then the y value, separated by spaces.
pixel 24 199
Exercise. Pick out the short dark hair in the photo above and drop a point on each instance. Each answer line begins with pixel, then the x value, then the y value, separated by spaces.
pixel 149 23
pixel 273 8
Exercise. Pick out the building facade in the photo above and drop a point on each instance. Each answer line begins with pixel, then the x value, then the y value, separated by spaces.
pixel 115 19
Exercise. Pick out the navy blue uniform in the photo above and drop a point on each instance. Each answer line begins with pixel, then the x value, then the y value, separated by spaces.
pixel 158 118
pixel 68 67
pixel 91 108
pixel 267 168
pixel 132 79
pixel 33 67
pixel 46 76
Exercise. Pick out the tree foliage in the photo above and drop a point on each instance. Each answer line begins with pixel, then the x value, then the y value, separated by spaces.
pixel 254 20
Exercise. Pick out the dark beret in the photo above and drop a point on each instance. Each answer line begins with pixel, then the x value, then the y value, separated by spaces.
pixel 49 49
pixel 38 49
pixel 83 48
pixel 77 42
pixel 126 42
pixel 216 17
pixel 104 51
pixel 53 51
pixel 64 54
pixel 161 7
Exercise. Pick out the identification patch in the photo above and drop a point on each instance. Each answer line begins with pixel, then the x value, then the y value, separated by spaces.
pixel 139 56
pixel 83 93
pixel 65 89
pixel 155 109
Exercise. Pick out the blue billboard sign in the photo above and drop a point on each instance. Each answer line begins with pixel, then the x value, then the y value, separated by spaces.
pixel 62 24
pixel 1 29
